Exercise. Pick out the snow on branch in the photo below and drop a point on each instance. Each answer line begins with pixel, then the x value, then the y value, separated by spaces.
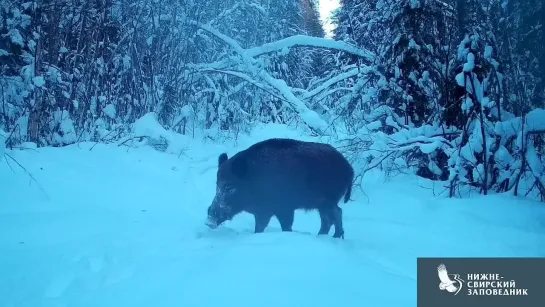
pixel 246 78
pixel 288 42
pixel 426 144
pixel 226 39
pixel 330 82
pixel 310 41
pixel 535 123
pixel 222 64
pixel 311 118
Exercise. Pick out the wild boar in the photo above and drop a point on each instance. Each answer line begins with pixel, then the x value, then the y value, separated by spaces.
pixel 275 177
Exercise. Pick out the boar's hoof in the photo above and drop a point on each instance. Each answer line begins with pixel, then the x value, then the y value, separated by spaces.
pixel 339 235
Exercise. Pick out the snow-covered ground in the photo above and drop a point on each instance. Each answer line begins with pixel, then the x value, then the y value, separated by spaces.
pixel 125 228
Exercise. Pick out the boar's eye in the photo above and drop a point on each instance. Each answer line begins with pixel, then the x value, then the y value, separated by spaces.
pixel 230 190
pixel 225 190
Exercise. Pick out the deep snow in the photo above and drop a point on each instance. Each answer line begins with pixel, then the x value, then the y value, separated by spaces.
pixel 118 227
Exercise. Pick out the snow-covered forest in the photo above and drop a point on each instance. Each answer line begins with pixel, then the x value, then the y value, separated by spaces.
pixel 452 90
pixel 459 93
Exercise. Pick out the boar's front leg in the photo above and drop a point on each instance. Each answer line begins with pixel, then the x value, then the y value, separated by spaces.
pixel 285 218
pixel 261 221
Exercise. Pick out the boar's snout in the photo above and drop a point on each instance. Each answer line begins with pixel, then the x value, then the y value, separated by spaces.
pixel 218 213
pixel 211 219
pixel 211 224
pixel 226 204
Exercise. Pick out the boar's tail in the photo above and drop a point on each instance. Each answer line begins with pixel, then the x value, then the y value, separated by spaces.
pixel 349 190
pixel 348 193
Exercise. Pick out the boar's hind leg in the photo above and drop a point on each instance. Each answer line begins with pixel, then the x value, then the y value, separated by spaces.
pixel 286 219
pixel 261 221
pixel 326 221
pixel 338 222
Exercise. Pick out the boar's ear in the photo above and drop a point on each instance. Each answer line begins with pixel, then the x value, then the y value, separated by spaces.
pixel 239 167
pixel 222 158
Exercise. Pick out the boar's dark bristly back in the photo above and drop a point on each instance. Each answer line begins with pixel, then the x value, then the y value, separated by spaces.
pixel 222 158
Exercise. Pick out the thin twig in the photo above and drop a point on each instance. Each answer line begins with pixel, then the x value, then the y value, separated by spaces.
pixel 29 174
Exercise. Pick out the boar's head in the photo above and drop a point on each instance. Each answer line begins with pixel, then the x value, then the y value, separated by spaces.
pixel 230 191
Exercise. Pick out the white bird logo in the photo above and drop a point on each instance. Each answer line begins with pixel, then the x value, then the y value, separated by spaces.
pixel 447 283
